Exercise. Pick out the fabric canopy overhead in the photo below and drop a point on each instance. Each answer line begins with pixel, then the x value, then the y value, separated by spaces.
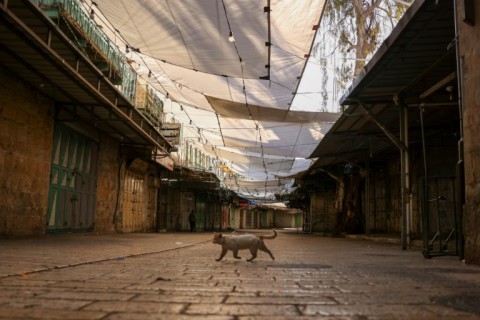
pixel 230 70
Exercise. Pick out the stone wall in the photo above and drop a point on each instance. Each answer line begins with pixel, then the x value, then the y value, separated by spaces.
pixel 26 137
pixel 470 64
pixel 26 141
pixel 285 220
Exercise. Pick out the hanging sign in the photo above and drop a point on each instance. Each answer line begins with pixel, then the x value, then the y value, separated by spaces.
pixel 171 132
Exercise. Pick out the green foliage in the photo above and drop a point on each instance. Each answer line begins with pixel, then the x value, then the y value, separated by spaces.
pixel 353 30
pixel 299 198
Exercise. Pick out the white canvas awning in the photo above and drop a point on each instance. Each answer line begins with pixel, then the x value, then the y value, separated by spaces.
pixel 235 94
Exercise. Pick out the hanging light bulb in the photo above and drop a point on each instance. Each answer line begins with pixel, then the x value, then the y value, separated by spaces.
pixel 127 48
pixel 92 14
pixel 149 73
pixel 230 37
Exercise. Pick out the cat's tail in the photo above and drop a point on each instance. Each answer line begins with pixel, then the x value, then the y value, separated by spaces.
pixel 269 237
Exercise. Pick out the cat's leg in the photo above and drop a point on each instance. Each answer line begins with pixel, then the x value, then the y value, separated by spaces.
pixel 224 252
pixel 235 254
pixel 254 254
pixel 264 248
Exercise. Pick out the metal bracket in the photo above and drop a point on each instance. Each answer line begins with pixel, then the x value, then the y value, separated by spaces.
pixel 399 144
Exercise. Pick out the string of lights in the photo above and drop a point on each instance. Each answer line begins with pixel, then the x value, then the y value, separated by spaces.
pixel 157 71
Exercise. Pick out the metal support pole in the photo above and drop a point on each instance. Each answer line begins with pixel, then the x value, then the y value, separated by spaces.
pixel 405 176
pixel 425 205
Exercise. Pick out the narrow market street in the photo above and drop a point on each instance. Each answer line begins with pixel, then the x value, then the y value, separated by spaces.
pixel 175 276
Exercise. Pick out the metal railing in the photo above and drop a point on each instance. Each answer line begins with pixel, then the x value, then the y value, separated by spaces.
pixel 75 11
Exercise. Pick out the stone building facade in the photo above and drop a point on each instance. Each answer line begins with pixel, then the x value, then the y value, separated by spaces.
pixel 426 111
pixel 469 58
pixel 75 153
pixel 27 174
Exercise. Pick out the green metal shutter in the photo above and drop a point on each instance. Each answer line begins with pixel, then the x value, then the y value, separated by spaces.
pixel 71 203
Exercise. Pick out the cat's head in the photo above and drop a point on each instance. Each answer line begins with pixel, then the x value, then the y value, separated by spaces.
pixel 217 238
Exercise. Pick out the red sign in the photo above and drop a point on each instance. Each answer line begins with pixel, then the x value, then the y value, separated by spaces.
pixel 167 162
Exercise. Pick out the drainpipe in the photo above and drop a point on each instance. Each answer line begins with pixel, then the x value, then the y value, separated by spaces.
pixel 460 173
pixel 367 194
pixel 425 210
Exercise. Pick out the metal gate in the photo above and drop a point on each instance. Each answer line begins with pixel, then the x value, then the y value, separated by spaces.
pixel 200 213
pixel 134 212
pixel 73 175
pixel 440 236
pixel 151 208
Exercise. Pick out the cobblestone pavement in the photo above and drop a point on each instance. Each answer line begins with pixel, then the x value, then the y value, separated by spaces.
pixel 175 276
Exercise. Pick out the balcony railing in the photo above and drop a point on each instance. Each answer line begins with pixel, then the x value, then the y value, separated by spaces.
pixel 92 40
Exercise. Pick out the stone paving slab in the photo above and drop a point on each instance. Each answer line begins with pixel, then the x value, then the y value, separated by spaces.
pixel 175 276
pixel 63 250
